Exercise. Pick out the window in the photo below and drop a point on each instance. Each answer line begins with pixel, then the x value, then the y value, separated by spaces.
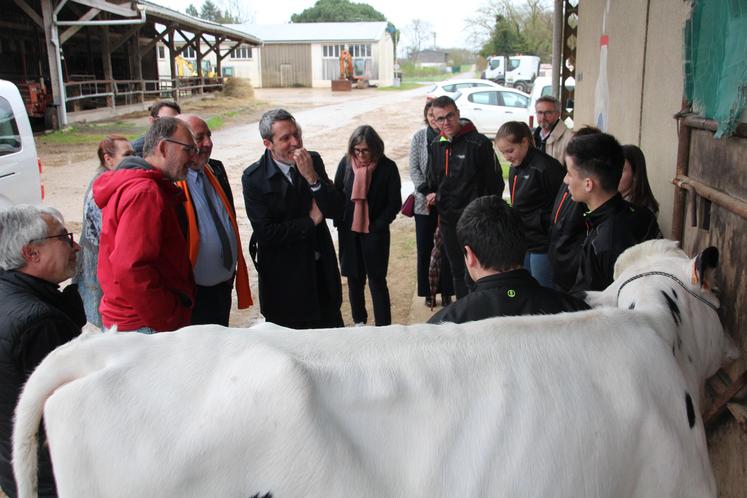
pixel 362 50
pixel 10 139
pixel 484 98
pixel 511 99
pixel 161 52
pixel 449 88
pixel 513 63
pixel 332 51
pixel 188 52
pixel 242 52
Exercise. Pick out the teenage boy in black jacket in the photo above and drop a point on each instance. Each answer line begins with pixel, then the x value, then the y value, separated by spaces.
pixel 491 235
pixel 595 164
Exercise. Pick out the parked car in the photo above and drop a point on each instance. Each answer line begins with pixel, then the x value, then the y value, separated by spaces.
pixel 20 169
pixel 542 87
pixel 489 108
pixel 453 86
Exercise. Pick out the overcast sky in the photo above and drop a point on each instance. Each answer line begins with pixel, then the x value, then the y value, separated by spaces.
pixel 447 17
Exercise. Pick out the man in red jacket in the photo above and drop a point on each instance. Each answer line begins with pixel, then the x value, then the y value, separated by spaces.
pixel 144 266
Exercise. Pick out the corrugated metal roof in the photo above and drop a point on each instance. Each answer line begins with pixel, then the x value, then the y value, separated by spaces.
pixel 157 12
pixel 315 31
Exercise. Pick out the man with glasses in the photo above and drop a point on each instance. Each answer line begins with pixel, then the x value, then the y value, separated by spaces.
pixel 37 253
pixel 144 267
pixel 551 135
pixel 462 167
pixel 213 235
pixel 288 195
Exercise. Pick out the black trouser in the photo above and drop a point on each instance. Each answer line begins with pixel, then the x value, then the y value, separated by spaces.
pixel 379 296
pixel 212 304
pixel 330 315
pixel 425 227
pixel 455 253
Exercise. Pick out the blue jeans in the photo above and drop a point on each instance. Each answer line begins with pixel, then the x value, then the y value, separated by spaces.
pixel 538 264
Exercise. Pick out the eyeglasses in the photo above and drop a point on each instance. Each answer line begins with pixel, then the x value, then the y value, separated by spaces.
pixel 69 240
pixel 448 117
pixel 546 113
pixel 360 152
pixel 188 148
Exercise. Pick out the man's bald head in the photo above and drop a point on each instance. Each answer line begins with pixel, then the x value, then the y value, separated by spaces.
pixel 203 138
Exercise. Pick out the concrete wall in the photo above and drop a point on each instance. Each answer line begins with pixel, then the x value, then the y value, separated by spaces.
pixel 645 81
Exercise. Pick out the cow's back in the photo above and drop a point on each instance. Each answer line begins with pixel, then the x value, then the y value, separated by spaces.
pixel 549 406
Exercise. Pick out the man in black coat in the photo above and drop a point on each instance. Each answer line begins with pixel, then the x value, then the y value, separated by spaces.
pixel 288 195
pixel 494 244
pixel 36 254
pixel 595 163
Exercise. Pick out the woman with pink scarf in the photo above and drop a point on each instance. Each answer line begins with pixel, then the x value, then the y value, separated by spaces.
pixel 370 185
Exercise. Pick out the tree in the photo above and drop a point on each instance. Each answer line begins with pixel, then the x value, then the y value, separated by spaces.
pixel 417 32
pixel 210 11
pixel 338 11
pixel 232 13
pixel 511 26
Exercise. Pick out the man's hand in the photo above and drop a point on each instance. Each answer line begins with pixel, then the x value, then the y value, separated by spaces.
pixel 305 165
pixel 430 199
pixel 315 213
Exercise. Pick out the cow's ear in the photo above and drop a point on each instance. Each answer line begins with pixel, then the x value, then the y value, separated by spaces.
pixel 703 267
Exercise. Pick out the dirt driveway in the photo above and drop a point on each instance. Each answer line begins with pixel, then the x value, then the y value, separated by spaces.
pixel 327 119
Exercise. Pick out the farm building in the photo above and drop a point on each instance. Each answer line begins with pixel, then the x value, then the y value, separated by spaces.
pixel 72 57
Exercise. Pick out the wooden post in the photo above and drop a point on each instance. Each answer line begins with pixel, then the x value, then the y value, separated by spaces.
pixel 218 59
pixel 172 64
pixel 200 76
pixel 137 64
pixel 106 59
pixel 53 57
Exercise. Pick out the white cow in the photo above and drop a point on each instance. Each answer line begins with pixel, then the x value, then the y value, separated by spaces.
pixel 590 404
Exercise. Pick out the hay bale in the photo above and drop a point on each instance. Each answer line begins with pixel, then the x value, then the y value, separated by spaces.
pixel 240 88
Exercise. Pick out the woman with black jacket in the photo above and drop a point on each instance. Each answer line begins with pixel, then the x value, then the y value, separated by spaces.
pixel 533 182
pixel 370 184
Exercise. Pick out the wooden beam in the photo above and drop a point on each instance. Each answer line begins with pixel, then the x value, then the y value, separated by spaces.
pixel 30 12
pixel 124 37
pixel 69 32
pixel 160 37
pixel 111 7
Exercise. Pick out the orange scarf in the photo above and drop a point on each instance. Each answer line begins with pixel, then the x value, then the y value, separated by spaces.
pixel 243 291
pixel 359 195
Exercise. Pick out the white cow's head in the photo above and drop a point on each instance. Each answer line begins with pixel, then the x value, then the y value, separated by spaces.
pixel 658 276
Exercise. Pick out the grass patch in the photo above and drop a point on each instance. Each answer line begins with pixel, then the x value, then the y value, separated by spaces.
pixel 405 85
pixel 89 134
pixel 216 122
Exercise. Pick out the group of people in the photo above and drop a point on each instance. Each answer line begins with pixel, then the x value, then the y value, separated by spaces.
pixel 576 202
pixel 162 249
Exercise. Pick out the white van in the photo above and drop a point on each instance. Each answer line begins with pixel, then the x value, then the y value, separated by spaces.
pixel 20 169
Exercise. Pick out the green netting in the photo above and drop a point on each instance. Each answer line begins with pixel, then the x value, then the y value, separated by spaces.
pixel 716 61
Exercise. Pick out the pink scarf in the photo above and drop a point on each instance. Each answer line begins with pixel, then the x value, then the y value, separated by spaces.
pixel 361 184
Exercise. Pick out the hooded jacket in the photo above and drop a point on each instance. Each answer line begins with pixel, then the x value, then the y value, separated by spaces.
pixel 144 266
pixel 461 170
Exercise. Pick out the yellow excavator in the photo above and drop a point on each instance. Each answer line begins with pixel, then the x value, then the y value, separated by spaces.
pixel 186 69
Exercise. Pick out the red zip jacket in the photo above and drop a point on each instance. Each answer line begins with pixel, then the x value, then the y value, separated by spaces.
pixel 144 267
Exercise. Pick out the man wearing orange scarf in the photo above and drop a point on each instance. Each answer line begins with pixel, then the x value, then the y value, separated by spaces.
pixel 212 233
